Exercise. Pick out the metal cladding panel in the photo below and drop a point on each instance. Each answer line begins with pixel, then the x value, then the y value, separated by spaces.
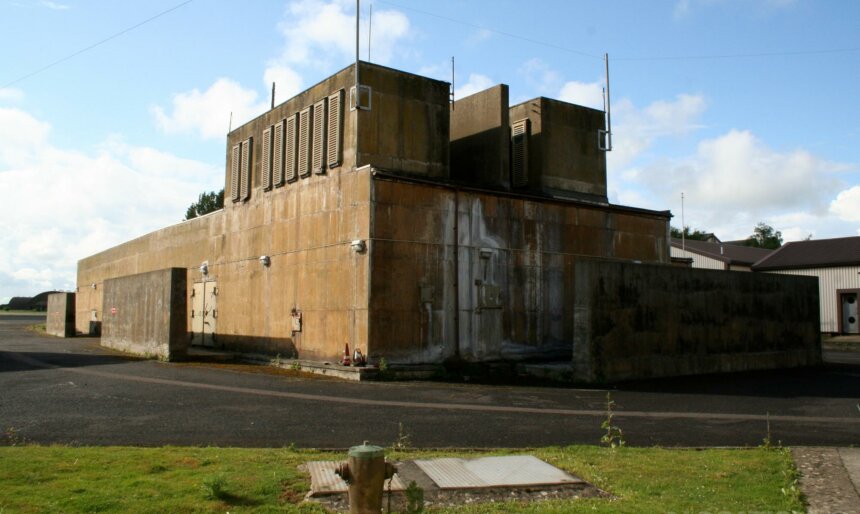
pixel 520 153
pixel 304 142
pixel 699 261
pixel 266 160
pixel 318 145
pixel 278 155
pixel 291 149
pixel 335 128
pixel 236 158
pixel 245 170
pixel 515 470
pixel 830 281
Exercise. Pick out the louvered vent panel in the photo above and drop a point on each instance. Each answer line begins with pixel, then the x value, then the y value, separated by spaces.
pixel 318 146
pixel 290 148
pixel 304 142
pixel 278 155
pixel 335 128
pixel 234 172
pixel 266 160
pixel 245 170
pixel 520 153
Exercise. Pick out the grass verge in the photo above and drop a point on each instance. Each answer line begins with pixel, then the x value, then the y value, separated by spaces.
pixel 172 479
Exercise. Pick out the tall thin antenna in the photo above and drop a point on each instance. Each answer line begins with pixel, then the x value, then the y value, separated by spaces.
pixel 452 82
pixel 369 30
pixel 230 123
pixel 357 32
pixel 607 106
pixel 683 226
pixel 273 95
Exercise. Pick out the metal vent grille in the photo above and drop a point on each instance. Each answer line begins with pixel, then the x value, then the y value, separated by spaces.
pixel 266 160
pixel 290 148
pixel 304 140
pixel 335 128
pixel 520 153
pixel 236 157
pixel 245 170
pixel 318 146
pixel 278 155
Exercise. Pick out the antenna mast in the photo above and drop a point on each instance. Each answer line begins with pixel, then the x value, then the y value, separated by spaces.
pixel 452 82
pixel 369 30
pixel 607 108
pixel 683 227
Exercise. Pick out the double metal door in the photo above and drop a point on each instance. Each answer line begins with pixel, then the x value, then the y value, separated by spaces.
pixel 204 313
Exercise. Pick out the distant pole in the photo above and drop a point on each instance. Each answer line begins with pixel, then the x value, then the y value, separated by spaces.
pixel 452 83
pixel 357 81
pixel 273 95
pixel 683 227
pixel 608 107
pixel 369 30
pixel 230 123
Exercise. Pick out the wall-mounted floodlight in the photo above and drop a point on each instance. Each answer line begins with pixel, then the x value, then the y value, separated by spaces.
pixel 204 268
pixel 265 260
pixel 94 285
pixel 358 246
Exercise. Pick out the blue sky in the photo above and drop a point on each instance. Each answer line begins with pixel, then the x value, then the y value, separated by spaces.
pixel 748 107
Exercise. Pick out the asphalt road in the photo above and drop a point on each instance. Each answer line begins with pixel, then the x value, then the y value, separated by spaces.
pixel 72 391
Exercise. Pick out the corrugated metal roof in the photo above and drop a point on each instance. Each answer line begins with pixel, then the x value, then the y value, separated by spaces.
pixel 517 470
pixel 733 254
pixel 325 481
pixel 821 253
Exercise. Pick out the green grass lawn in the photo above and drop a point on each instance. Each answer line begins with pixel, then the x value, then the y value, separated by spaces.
pixel 174 480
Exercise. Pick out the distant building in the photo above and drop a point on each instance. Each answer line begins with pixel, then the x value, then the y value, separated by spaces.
pixel 836 263
pixel 717 255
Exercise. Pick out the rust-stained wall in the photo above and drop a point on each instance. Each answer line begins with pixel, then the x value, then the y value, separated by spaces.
pixel 480 138
pixel 432 299
pixel 642 321
pixel 564 157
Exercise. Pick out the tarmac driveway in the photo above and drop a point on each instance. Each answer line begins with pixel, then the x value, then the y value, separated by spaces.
pixel 72 391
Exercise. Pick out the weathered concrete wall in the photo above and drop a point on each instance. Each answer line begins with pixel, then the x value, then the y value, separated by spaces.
pixel 486 276
pixel 564 157
pixel 480 139
pixel 146 314
pixel 61 315
pixel 639 321
pixel 305 228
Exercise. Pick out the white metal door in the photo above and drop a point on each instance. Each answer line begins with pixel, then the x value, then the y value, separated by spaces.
pixel 204 313
pixel 850 322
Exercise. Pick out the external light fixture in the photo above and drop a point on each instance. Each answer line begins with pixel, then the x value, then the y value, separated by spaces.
pixel 358 246
pixel 265 260
pixel 204 268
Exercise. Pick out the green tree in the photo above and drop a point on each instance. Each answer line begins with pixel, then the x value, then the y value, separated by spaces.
pixel 764 236
pixel 696 235
pixel 206 203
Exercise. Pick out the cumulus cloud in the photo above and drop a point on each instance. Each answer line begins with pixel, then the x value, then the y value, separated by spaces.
pixel 10 94
pixel 207 113
pixel 475 84
pixel 581 93
pixel 846 205
pixel 87 201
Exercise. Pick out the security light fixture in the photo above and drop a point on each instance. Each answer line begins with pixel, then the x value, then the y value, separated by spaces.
pixel 204 268
pixel 358 246
pixel 265 260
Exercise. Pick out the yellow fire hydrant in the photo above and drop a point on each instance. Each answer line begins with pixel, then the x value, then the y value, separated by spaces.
pixel 366 471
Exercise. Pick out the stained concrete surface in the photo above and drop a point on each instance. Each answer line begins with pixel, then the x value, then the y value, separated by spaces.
pixel 72 391
pixel 829 479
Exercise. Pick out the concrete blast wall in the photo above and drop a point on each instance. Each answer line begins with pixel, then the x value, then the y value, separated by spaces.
pixel 61 315
pixel 145 314
pixel 639 321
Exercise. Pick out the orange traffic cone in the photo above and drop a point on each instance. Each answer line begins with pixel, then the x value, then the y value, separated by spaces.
pixel 346 361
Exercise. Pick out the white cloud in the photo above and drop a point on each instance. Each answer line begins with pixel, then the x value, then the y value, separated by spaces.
pixel 208 113
pixel 846 205
pixel 684 8
pixel 54 5
pixel 475 84
pixel 11 94
pixel 540 77
pixel 581 93
pixel 317 32
pixel 635 130
pixel 67 205
pixel 288 82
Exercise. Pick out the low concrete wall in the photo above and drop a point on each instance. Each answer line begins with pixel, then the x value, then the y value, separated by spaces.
pixel 61 315
pixel 640 320
pixel 145 314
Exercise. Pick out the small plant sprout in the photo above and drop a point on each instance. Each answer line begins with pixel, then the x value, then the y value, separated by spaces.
pixel 614 437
